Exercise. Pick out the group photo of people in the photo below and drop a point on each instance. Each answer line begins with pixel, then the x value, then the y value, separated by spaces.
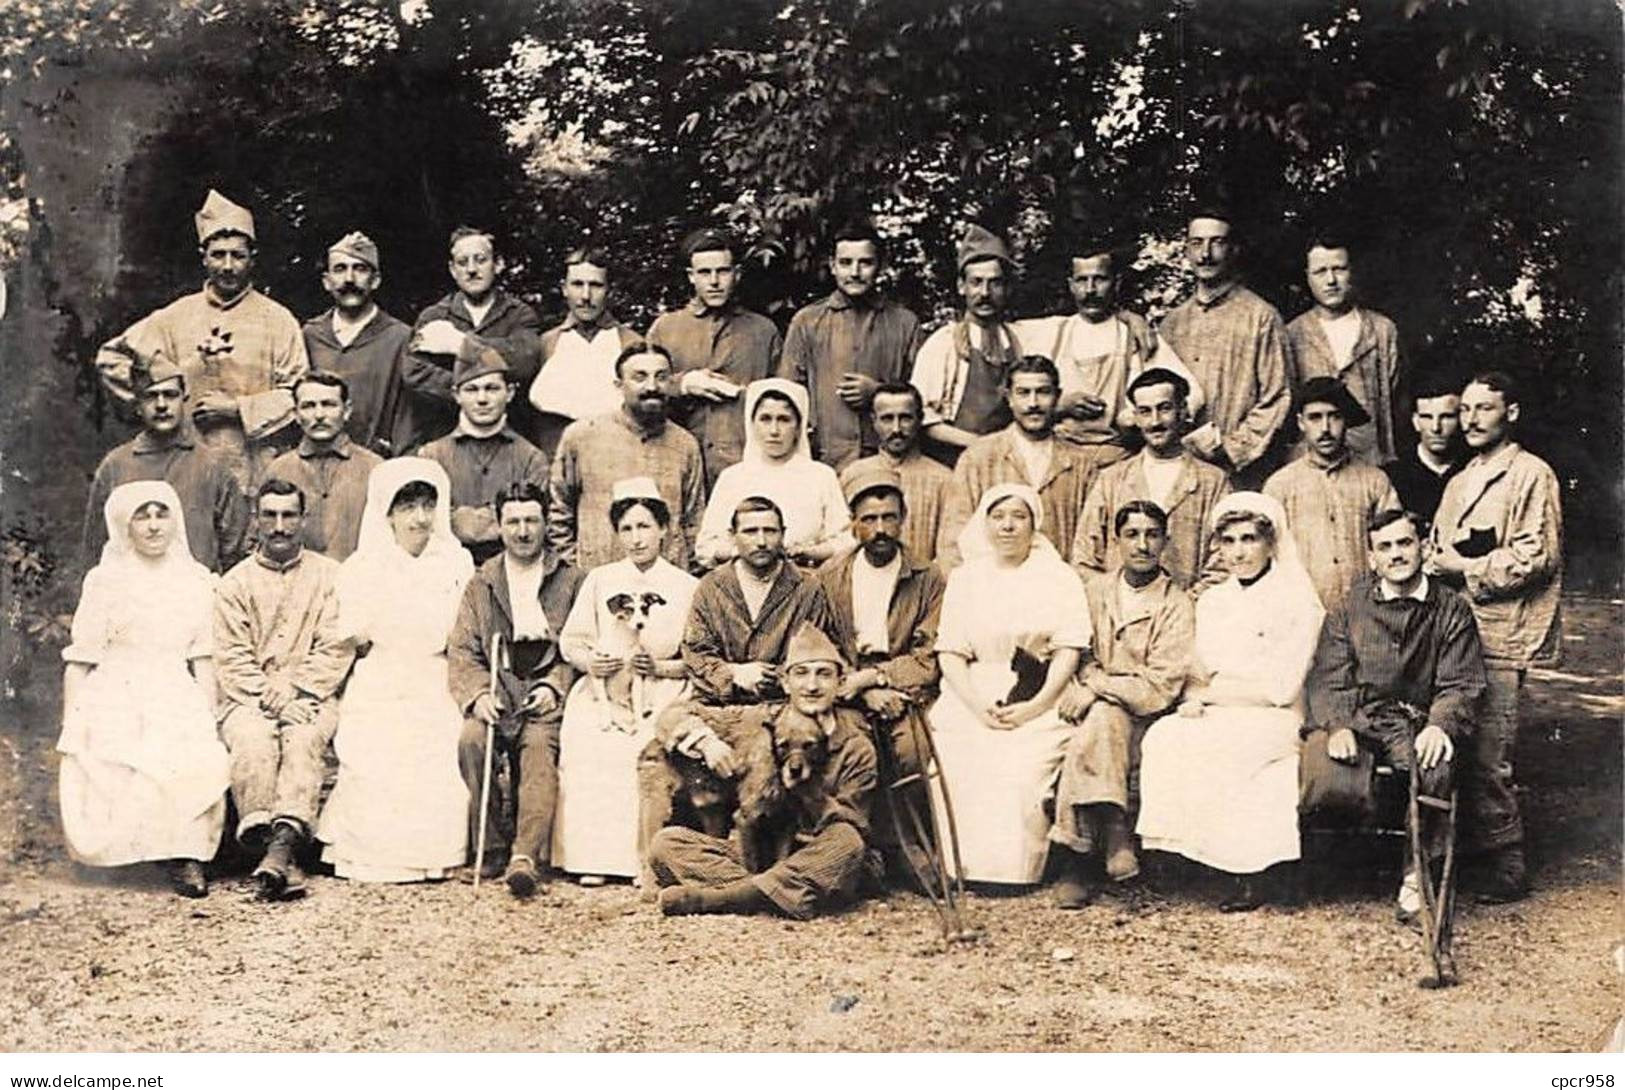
pixel 972 526
pixel 1123 588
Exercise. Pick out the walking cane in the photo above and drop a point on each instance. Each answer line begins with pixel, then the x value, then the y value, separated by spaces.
pixel 497 649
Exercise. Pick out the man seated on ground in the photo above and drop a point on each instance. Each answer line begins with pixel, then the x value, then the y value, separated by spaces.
pixel 522 595
pixel 1398 676
pixel 1144 629
pixel 885 604
pixel 828 812
pixel 279 659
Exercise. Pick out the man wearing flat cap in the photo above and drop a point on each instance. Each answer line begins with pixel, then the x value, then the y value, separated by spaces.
pixel 717 348
pixel 828 811
pixel 483 455
pixel 360 343
pixel 960 368
pixel 167 448
pixel 1329 498
pixel 884 607
pixel 240 352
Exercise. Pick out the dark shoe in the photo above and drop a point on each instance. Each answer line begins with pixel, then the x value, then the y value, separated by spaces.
pixel 1074 891
pixel 186 878
pixel 272 873
pixel 1243 897
pixel 493 870
pixel 294 887
pixel 522 876
pixel 1121 862
pixel 1505 880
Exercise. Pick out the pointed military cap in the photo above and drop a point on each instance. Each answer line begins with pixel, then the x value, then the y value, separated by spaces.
pixel 980 244
pixel 809 644
pixel 358 247
pixel 485 361
pixel 219 214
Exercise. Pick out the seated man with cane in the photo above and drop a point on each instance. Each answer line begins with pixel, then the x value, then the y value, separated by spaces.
pixel 519 600
pixel 1397 677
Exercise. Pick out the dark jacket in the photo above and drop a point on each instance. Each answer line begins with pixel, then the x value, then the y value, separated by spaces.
pixel 486 609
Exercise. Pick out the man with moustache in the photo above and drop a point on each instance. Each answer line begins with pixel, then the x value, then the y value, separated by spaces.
pixel 1398 675
pixel 483 455
pixel 240 352
pixel 1234 344
pixel 360 343
pixel 522 596
pixel 884 607
pixel 1329 498
pixel 1026 452
pixel 167 448
pixel 577 379
pixel 1421 472
pixel 1499 535
pixel 960 368
pixel 936 511
pixel 1184 488
pixel 848 344
pixel 634 440
pixel 478 314
pixel 829 809
pixel 279 659
pixel 1144 628
pixel 330 468
pixel 1098 351
pixel 717 348
pixel 1337 338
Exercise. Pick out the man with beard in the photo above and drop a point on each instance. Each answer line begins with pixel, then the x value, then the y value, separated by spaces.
pixel 828 809
pixel 577 379
pixel 1398 674
pixel 1144 629
pixel 522 595
pixel 1499 534
pixel 478 314
pixel 1421 472
pixel 1098 351
pixel 330 468
pixel 1329 498
pixel 1234 344
pixel 240 352
pixel 168 449
pixel 1184 488
pixel 1339 339
pixel 936 512
pixel 845 346
pixel 634 440
pixel 960 369
pixel 1026 452
pixel 483 455
pixel 885 604
pixel 279 659
pixel 717 348
pixel 361 344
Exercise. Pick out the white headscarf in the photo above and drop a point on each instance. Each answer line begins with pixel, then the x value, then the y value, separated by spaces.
pixel 1285 556
pixel 171 585
pixel 122 504
pixel 797 393
pixel 380 568
pixel 976 539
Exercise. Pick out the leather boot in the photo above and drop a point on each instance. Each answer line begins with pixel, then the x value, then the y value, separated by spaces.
pixel 742 896
pixel 272 873
pixel 1121 862
pixel 186 877
pixel 1076 888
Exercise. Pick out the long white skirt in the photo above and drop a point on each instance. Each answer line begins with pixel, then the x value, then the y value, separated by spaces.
pixel 1222 788
pixel 998 781
pixel 399 811
pixel 143 772
pixel 595 828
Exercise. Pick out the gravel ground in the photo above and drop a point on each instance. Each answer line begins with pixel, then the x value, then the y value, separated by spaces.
pixel 114 962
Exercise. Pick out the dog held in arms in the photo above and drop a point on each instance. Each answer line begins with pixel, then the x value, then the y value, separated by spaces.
pixel 622 693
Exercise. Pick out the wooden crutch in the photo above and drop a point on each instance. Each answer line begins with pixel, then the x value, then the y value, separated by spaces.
pixel 497 654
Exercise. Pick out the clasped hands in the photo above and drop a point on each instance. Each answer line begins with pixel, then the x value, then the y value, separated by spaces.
pixel 605 665
pixel 283 702
pixel 540 700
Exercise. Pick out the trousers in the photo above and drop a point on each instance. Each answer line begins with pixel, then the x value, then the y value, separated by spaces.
pixel 1095 769
pixel 276 767
pixel 1490 817
pixel 535 752
pixel 823 870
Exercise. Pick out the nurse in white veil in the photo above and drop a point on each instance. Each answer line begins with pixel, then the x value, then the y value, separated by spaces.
pixel 399 812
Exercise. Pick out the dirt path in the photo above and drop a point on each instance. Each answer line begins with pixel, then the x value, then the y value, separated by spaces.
pixel 98 963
